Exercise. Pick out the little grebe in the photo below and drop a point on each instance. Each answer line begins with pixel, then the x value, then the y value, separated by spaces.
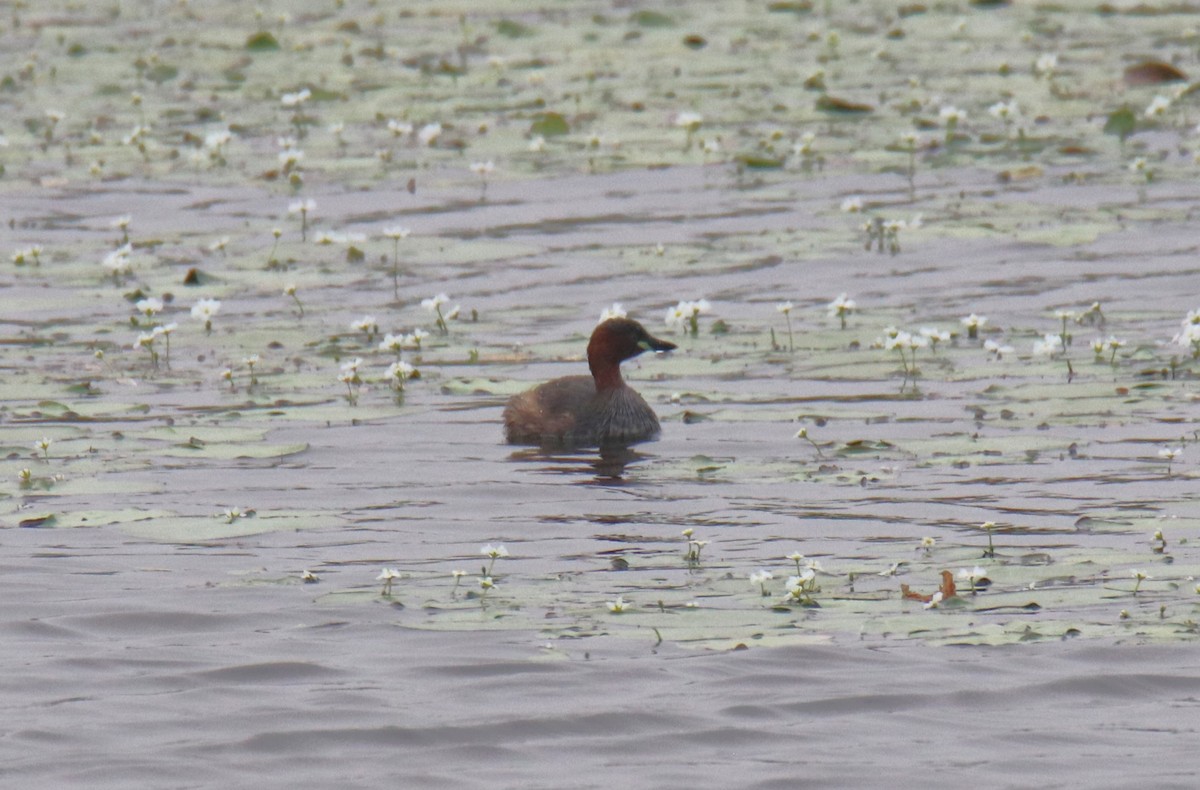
pixel 589 410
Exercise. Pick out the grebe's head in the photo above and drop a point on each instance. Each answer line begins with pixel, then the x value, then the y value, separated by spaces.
pixel 619 339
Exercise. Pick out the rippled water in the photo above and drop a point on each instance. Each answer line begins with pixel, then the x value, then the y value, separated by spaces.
pixel 157 628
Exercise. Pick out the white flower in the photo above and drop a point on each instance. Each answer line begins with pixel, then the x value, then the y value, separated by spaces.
pixel 785 307
pixel 429 133
pixel 1158 107
pixel 290 158
pixel 483 168
pixel 900 339
pixel 494 551
pixel 433 303
pixel 992 347
pixel 618 606
pixel 761 577
pixel 689 120
pixel 399 128
pixel 852 205
pixel 396 232
pixel 1138 165
pixel 393 343
pixel 616 311
pixel 927 542
pixel 1046 64
pixel 974 321
pixel 537 144
pixel 973 575
pixel 214 141
pixel 295 99
pixel 934 600
pixel 1005 111
pixel 365 324
pixel 149 306
pixel 205 309
pixel 304 206
pixel 1048 346
pixel 1189 337
pixel 842 305
pixel 949 115
pixel 1170 453
pixel 399 371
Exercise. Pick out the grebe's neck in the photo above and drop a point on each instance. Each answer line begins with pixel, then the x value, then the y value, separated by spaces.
pixel 607 373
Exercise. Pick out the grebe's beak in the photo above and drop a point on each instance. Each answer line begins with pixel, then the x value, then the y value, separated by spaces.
pixel 651 343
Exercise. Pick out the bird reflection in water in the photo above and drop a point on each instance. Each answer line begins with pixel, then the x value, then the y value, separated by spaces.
pixel 608 463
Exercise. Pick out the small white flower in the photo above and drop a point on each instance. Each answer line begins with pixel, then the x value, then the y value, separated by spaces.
pixel 616 311
pixel 1046 64
pixel 399 128
pixel 149 306
pixel 483 168
pixel 934 600
pixel 1170 453
pixel 429 133
pixel 973 575
pixel 842 305
pixel 494 551
pixel 951 115
pixel 852 205
pixel 396 232
pixel 400 371
pixel 433 303
pixel 1048 346
pixel 295 99
pixel 1158 107
pixel 1005 111
pixel 784 307
pixel 618 606
pixel 689 120
pixel 761 577
pixel 205 309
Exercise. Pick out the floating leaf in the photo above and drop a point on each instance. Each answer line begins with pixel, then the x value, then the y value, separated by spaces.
pixel 262 42
pixel 755 162
pixel 1121 123
pixel 549 124
pixel 833 104
pixel 511 29
pixel 1153 72
pixel 647 18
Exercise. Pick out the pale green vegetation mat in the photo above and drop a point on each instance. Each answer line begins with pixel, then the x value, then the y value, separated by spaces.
pixel 159 155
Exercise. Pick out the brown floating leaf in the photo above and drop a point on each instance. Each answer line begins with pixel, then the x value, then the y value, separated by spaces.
pixel 1152 72
pixel 947 589
pixel 1026 173
pixel 907 592
pixel 829 103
